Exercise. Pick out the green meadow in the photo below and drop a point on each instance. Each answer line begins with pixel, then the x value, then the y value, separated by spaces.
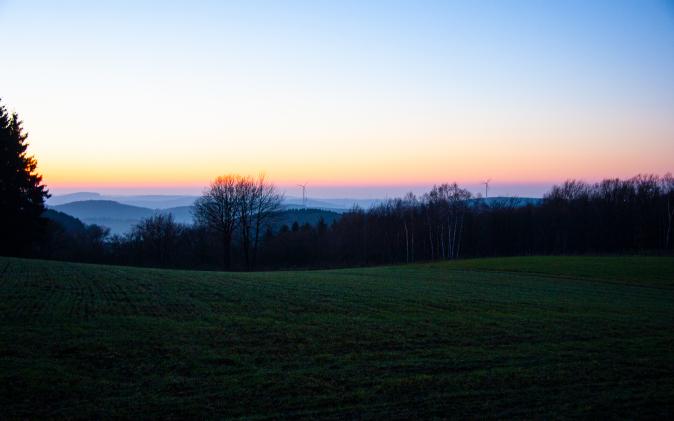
pixel 526 337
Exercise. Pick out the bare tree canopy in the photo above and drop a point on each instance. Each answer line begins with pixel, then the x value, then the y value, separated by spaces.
pixel 158 236
pixel 242 205
pixel 446 206
pixel 216 210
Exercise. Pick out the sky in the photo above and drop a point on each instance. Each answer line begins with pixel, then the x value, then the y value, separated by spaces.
pixel 355 98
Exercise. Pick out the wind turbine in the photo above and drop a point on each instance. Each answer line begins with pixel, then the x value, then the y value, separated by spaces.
pixel 486 187
pixel 304 193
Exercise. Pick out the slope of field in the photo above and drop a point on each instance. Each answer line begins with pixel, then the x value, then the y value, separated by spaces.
pixel 646 270
pixel 469 339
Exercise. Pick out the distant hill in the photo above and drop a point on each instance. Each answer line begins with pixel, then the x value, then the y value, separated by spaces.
pixel 88 209
pixel 303 216
pixel 116 216
pixel 157 201
pixel 120 218
pixel 56 200
pixel 161 201
pixel 335 205
pixel 69 223
pixel 507 201
pixel 181 214
pixel 179 205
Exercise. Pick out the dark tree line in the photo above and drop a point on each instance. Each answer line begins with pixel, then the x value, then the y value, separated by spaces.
pixel 612 216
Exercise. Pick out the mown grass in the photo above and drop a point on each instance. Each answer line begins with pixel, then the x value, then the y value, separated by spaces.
pixel 519 337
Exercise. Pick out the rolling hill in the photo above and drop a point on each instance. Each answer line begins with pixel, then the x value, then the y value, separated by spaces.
pixel 164 201
pixel 92 209
pixel 120 218
pixel 107 213
pixel 157 201
pixel 534 337
pixel 67 222
pixel 122 214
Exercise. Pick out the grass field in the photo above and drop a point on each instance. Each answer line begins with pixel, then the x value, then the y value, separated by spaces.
pixel 518 337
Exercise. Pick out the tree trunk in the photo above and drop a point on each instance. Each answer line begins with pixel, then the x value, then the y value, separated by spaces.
pixel 430 239
pixel 227 250
pixel 670 213
pixel 412 245
pixel 407 243
pixel 450 242
pixel 256 241
pixel 365 239
pixel 245 243
pixel 442 241
pixel 458 245
pixel 455 239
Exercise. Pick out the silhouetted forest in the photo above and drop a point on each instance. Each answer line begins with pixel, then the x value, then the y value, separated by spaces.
pixel 614 216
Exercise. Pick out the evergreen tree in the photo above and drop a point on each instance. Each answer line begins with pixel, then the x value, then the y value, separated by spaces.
pixel 22 193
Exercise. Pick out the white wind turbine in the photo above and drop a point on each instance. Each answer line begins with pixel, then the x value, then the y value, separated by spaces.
pixel 486 187
pixel 304 193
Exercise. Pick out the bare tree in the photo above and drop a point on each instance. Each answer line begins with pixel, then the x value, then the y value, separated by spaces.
pixel 456 199
pixel 404 211
pixel 158 236
pixel 667 187
pixel 569 190
pixel 237 204
pixel 447 203
pixel 217 210
pixel 256 201
pixel 267 202
pixel 246 194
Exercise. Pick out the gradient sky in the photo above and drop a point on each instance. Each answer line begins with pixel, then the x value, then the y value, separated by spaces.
pixel 361 98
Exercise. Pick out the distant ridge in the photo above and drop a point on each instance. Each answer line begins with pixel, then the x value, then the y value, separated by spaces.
pixel 87 209
pixel 507 201
pixel 107 213
pixel 67 222
pixel 337 205
pixel 159 201
pixel 121 218
pixel 156 201
pixel 72 197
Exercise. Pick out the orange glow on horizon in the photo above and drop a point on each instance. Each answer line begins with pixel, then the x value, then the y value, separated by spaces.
pixel 413 168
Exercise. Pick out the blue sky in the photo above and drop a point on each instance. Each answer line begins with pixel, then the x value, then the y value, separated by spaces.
pixel 366 95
